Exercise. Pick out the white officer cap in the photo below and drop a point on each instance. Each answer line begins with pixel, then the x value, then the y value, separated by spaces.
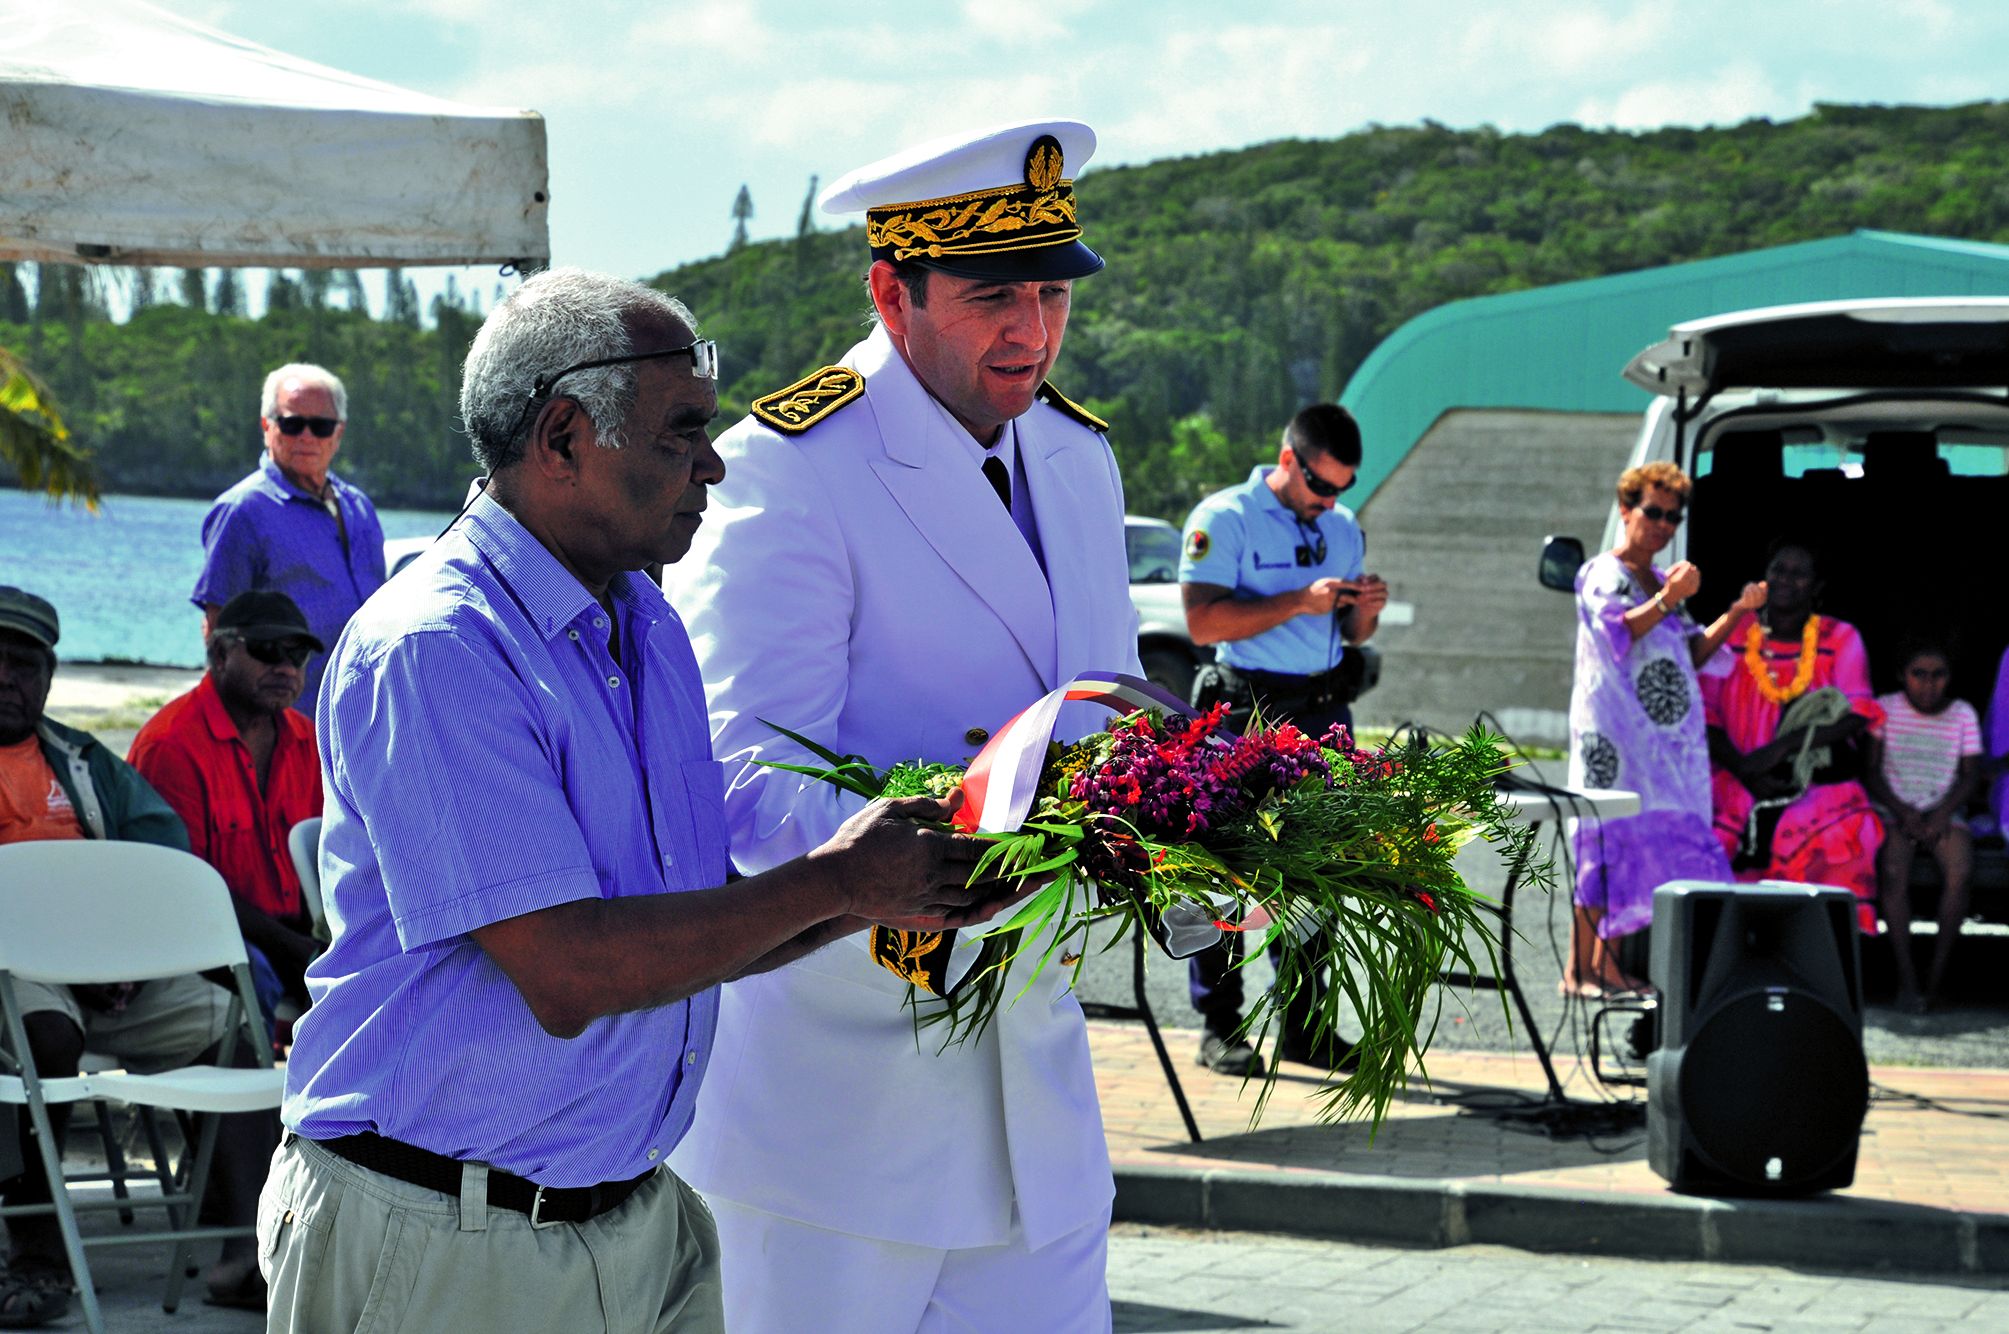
pixel 996 204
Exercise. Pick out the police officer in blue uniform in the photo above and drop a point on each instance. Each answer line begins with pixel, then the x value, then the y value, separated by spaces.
pixel 1271 576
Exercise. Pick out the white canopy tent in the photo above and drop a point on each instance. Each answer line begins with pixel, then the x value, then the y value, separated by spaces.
pixel 131 136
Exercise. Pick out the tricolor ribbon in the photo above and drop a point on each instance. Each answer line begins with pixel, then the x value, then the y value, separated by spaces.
pixel 999 789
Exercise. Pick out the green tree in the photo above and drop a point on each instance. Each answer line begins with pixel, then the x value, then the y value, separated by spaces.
pixel 742 209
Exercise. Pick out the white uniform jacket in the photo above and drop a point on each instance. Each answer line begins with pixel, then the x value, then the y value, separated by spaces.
pixel 859 583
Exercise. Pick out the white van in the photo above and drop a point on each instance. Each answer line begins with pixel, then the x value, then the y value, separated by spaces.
pixel 1876 433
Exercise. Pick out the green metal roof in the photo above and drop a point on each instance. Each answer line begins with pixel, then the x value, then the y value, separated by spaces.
pixel 1563 347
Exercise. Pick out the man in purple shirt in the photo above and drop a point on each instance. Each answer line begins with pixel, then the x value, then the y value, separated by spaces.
pixel 292 525
pixel 524 861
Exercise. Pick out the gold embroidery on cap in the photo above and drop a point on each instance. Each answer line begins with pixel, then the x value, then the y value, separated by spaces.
pixel 982 223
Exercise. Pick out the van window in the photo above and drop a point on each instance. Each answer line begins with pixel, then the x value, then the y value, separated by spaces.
pixel 1974 453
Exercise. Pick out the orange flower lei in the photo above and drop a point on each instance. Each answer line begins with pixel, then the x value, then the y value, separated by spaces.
pixel 1761 675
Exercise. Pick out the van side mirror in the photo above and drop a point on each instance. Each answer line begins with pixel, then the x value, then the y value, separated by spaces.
pixel 1562 557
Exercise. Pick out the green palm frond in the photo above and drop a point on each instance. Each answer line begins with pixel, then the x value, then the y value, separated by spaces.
pixel 35 442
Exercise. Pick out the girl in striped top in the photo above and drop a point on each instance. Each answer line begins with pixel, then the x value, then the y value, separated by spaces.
pixel 1924 769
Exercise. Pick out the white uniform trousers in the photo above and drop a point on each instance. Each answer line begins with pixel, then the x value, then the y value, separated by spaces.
pixel 783 1277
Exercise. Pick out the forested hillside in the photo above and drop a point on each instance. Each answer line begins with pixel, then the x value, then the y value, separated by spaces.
pixel 1239 286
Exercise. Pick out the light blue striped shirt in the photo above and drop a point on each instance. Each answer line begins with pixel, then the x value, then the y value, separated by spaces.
pixel 484 757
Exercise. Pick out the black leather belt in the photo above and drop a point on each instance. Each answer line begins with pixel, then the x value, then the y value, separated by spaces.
pixel 422 1167
pixel 1282 683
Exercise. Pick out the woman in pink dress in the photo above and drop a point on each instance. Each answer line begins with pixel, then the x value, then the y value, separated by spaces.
pixel 1826 834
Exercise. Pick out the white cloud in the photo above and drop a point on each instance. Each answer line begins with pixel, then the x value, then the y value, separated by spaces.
pixel 1725 97
pixel 1023 24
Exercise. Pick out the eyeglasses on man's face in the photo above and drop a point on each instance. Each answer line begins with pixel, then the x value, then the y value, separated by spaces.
pixel 704 366
pixel 322 427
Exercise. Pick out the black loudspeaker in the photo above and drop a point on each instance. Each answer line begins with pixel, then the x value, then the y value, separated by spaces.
pixel 1759 1086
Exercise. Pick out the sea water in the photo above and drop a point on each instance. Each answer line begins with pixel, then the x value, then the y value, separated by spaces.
pixel 120 578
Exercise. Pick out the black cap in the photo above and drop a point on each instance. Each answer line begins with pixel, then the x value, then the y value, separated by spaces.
pixel 265 614
pixel 24 613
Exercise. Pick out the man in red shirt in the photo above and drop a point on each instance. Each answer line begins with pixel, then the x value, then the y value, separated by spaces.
pixel 238 764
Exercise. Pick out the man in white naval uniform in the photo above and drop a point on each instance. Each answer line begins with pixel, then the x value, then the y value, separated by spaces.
pixel 858 581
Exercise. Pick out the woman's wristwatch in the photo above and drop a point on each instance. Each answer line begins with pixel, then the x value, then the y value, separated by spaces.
pixel 1660 601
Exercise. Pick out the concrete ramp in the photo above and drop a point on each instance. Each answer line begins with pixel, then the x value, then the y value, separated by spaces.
pixel 1456 530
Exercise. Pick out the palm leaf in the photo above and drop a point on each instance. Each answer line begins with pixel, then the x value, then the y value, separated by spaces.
pixel 35 442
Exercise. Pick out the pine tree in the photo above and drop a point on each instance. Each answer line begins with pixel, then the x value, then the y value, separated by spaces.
pixel 281 292
pixel 228 298
pixel 349 283
pixel 195 289
pixel 314 285
pixel 805 225
pixel 742 209
pixel 401 299
pixel 13 297
pixel 143 289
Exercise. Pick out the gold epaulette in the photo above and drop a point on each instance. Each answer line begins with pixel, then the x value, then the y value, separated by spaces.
pixel 921 957
pixel 1053 398
pixel 809 400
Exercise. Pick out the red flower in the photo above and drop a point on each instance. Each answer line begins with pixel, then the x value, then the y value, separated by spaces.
pixel 1423 897
pixel 1430 834
pixel 1226 926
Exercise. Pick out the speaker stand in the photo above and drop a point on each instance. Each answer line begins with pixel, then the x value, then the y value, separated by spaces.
pixel 1557 1113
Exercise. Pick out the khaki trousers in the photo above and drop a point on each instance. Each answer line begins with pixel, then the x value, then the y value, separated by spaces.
pixel 344 1248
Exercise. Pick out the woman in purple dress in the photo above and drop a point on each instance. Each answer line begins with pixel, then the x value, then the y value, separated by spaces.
pixel 1636 725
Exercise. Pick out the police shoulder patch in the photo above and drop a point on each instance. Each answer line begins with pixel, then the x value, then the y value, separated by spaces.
pixel 1053 398
pixel 809 400
pixel 1198 544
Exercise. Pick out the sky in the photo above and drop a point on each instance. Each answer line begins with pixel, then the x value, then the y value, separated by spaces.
pixel 658 111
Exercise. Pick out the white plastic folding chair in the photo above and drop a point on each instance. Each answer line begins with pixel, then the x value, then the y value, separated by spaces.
pixel 303 842
pixel 82 911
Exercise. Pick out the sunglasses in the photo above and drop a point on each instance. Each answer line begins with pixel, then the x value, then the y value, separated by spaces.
pixel 272 652
pixel 1659 515
pixel 1318 486
pixel 322 427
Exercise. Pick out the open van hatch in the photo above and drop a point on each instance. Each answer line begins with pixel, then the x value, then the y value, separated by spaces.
pixel 1897 343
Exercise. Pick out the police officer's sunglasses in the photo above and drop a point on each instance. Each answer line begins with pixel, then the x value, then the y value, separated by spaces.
pixel 704 365
pixel 1317 485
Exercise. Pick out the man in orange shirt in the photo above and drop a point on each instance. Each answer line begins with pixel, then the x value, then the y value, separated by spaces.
pixel 57 782
pixel 237 762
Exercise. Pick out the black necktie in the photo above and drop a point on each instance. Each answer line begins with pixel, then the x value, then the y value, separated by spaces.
pixel 1000 481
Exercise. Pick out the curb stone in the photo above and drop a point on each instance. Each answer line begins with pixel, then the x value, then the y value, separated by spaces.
pixel 1821 1233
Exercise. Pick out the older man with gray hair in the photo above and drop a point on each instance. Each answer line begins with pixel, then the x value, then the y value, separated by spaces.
pixel 292 526
pixel 525 857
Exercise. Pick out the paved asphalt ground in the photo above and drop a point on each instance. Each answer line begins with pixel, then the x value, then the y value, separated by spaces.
pixel 1972 1033
pixel 1169 1281
pixel 1193 1282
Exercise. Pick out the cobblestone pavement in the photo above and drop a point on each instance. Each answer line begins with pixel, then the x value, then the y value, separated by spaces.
pixel 1164 1280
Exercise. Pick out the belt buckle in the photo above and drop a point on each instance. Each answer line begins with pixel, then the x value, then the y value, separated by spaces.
pixel 536 1205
